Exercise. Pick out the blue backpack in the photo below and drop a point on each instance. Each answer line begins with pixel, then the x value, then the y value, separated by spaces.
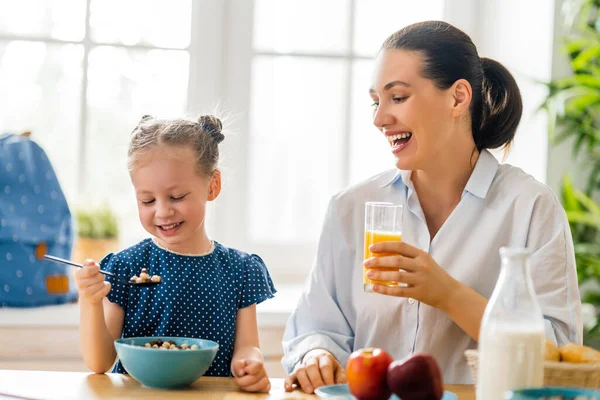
pixel 34 220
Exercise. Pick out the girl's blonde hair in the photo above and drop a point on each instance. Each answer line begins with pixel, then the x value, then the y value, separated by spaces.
pixel 203 135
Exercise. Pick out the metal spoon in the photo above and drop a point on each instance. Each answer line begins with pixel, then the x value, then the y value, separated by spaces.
pixel 63 261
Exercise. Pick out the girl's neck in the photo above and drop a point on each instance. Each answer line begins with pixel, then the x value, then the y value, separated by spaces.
pixel 197 245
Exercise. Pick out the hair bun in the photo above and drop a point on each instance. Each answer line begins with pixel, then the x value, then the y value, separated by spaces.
pixel 212 126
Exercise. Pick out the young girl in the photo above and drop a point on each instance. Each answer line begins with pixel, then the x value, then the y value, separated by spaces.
pixel 208 291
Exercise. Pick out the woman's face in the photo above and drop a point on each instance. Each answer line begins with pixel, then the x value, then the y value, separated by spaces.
pixel 418 119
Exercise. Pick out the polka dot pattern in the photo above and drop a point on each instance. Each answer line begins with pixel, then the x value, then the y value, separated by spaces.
pixel 199 296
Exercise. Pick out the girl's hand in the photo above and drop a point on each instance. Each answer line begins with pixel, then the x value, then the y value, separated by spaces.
pixel 251 376
pixel 90 283
pixel 427 281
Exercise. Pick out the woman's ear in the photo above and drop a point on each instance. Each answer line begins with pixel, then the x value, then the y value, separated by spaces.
pixel 462 94
pixel 215 185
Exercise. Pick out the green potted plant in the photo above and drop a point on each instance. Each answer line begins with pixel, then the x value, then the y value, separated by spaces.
pixel 573 104
pixel 97 233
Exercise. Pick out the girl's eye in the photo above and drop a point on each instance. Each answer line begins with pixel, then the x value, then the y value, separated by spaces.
pixel 148 202
pixel 375 105
pixel 399 99
pixel 178 198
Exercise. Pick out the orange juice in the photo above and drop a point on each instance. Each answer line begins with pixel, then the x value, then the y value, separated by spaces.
pixel 376 237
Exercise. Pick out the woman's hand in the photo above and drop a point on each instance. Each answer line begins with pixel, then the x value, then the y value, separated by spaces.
pixel 427 281
pixel 318 368
pixel 251 376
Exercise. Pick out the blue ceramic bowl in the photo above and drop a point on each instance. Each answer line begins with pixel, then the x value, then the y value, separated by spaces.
pixel 545 392
pixel 166 369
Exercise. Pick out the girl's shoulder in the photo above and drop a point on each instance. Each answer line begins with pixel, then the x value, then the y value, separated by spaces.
pixel 256 283
pixel 139 252
pixel 232 255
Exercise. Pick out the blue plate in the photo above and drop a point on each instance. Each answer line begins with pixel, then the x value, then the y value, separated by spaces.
pixel 538 393
pixel 342 392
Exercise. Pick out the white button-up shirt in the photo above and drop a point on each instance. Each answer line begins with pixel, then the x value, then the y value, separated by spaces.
pixel 500 206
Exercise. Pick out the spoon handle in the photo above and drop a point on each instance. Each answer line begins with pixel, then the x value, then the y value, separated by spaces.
pixel 69 262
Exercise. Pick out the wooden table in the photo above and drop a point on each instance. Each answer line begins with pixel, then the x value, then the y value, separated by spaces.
pixel 49 385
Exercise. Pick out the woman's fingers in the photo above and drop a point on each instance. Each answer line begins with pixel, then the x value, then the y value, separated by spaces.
pixel 396 262
pixel 402 248
pixel 397 291
pixel 289 382
pixel 393 276
pixel 327 369
pixel 304 381
pixel 314 372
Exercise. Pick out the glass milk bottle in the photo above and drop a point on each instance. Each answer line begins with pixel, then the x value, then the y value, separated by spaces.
pixel 511 337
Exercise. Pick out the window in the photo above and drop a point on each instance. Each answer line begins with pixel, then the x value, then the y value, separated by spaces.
pixel 292 75
pixel 307 132
pixel 81 78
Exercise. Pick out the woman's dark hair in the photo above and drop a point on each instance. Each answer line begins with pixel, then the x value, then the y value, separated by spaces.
pixel 449 55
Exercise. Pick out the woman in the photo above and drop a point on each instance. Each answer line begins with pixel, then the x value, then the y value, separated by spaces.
pixel 441 107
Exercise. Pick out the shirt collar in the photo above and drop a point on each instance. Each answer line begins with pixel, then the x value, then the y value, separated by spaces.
pixel 483 175
pixel 479 183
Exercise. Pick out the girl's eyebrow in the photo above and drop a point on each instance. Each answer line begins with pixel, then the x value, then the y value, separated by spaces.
pixel 176 186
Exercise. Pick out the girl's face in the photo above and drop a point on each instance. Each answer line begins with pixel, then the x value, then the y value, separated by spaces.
pixel 172 196
pixel 418 119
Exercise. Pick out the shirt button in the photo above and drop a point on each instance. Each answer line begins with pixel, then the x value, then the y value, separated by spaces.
pixel 408 348
pixel 411 301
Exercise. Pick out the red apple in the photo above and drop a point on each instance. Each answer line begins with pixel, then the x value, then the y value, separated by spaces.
pixel 416 378
pixel 366 371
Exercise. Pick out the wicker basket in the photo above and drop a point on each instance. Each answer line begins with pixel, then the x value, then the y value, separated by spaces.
pixel 555 373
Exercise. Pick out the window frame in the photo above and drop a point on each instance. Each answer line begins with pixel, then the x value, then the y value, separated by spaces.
pixel 287 263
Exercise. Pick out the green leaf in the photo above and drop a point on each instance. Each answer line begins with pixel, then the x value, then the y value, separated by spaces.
pixel 569 199
pixel 588 249
pixel 592 297
pixel 585 57
pixel 588 80
pixel 582 103
pixel 579 217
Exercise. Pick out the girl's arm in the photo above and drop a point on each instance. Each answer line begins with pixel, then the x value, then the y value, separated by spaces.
pixel 247 365
pixel 246 345
pixel 101 321
pixel 100 325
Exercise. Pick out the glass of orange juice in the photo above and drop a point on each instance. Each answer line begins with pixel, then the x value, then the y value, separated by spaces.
pixel 383 223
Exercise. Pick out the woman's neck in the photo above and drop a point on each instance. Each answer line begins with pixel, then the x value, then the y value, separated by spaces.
pixel 446 178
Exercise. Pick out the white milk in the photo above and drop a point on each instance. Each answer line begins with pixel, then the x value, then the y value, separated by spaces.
pixel 510 357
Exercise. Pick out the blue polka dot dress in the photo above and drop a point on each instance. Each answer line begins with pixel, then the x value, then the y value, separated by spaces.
pixel 199 296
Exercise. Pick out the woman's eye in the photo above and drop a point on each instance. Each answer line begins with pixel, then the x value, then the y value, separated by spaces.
pixel 375 104
pixel 399 99
pixel 148 202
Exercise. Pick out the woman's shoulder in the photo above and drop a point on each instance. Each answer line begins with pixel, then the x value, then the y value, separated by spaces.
pixel 512 182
